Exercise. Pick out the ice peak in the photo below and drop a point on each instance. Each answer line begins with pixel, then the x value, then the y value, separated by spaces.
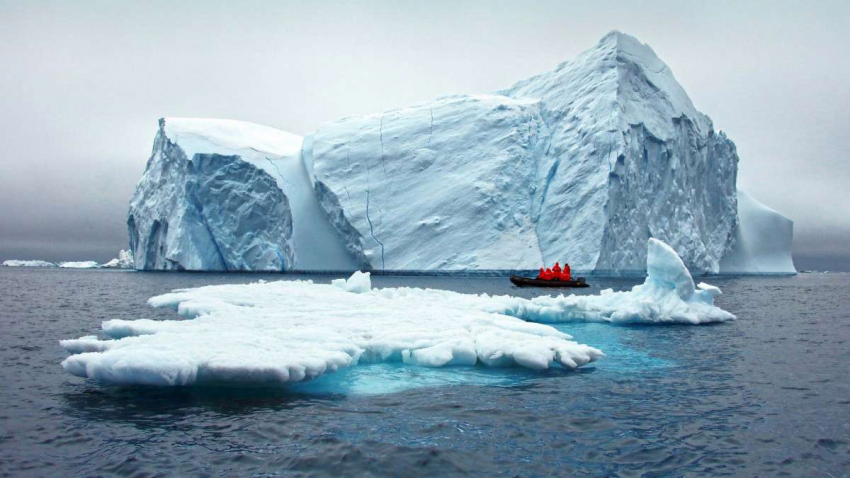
pixel 664 267
pixel 624 42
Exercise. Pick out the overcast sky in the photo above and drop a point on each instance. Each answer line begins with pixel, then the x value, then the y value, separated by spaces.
pixel 82 85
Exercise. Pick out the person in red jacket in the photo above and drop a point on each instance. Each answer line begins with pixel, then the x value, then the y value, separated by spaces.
pixel 565 274
pixel 540 275
pixel 548 275
pixel 557 271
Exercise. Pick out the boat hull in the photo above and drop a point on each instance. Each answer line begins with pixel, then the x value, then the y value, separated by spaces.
pixel 529 282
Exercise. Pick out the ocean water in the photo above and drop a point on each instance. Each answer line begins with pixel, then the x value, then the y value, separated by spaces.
pixel 767 395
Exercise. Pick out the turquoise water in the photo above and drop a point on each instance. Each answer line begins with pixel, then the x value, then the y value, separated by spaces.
pixel 383 378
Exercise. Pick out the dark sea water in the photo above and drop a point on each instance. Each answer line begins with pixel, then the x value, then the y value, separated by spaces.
pixel 767 395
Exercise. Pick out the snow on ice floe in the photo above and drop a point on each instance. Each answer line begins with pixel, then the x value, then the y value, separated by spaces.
pixel 79 265
pixel 291 331
pixel 667 296
pixel 19 263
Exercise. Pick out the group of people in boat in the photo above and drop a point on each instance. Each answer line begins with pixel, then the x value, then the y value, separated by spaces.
pixel 555 273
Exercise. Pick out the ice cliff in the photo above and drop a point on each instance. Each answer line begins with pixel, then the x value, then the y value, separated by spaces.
pixel 444 185
pixel 583 164
pixel 226 195
pixel 762 241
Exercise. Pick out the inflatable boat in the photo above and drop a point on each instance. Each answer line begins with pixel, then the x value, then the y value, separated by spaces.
pixel 529 282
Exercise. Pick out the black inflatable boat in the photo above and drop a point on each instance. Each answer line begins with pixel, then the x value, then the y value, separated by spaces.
pixel 529 282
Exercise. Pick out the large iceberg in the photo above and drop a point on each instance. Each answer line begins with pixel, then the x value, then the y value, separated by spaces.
pixel 583 163
pixel 762 241
pixel 580 164
pixel 290 331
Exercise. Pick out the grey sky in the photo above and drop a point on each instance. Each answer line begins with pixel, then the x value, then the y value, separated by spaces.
pixel 82 85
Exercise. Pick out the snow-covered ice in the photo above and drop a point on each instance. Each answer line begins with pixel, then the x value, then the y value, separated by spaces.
pixel 79 265
pixel 289 331
pixel 762 241
pixel 27 263
pixel 667 296
pixel 358 283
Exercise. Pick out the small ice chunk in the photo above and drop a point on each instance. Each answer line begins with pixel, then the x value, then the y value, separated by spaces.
pixel 123 261
pixel 358 283
pixel 89 343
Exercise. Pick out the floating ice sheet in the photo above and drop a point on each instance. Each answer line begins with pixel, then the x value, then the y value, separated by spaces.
pixel 79 265
pixel 19 263
pixel 291 331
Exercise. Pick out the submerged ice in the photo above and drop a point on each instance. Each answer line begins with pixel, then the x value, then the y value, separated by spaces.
pixel 290 331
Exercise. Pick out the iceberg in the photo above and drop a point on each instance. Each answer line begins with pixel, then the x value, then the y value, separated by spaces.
pixel 629 158
pixel 79 265
pixel 229 195
pixel 123 261
pixel 291 331
pixel 762 241
pixel 583 164
pixel 31 263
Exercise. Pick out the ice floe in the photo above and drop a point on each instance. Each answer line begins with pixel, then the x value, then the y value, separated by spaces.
pixel 79 265
pixel 19 263
pixel 667 296
pixel 290 331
